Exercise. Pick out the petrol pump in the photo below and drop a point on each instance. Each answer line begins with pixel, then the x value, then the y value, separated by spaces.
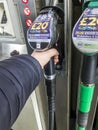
pixel 85 38
pixel 23 30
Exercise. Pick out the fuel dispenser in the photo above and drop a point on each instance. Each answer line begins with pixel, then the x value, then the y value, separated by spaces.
pixel 16 17
pixel 13 42
pixel 85 39
pixel 44 32
pixel 42 35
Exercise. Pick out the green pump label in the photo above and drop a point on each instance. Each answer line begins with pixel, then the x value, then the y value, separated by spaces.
pixel 85 32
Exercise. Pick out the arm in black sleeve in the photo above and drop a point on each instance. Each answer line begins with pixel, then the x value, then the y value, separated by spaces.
pixel 19 76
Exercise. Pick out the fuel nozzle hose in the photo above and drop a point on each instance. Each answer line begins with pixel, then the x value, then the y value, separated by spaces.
pixel 86 90
pixel 85 39
pixel 45 33
pixel 50 81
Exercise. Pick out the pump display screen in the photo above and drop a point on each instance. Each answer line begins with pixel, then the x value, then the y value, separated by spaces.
pixel 85 32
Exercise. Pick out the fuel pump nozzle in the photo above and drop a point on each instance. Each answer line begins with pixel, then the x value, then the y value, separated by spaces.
pixel 42 35
pixel 85 39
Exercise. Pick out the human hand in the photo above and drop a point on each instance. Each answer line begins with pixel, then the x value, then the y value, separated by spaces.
pixel 44 57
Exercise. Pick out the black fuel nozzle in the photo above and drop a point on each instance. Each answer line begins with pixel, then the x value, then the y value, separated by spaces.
pixel 59 43
pixel 60 47
pixel 44 32
pixel 47 32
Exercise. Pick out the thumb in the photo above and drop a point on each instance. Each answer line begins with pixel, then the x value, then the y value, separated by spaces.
pixel 52 52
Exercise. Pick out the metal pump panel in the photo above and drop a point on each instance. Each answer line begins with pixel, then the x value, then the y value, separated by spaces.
pixel 6 28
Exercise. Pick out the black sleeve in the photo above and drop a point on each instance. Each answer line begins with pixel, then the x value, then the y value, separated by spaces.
pixel 19 76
